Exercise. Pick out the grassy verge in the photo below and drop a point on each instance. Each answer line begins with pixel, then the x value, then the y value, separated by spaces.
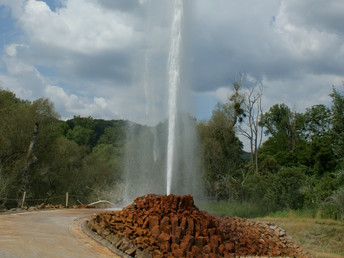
pixel 319 237
pixel 240 209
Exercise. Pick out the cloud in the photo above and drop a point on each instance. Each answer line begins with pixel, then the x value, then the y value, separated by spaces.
pixel 74 105
pixel 82 26
pixel 109 58
pixel 322 16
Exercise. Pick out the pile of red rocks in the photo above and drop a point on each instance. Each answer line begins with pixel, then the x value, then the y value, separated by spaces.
pixel 172 226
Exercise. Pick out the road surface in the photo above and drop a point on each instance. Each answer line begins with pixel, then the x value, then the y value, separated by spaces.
pixel 49 233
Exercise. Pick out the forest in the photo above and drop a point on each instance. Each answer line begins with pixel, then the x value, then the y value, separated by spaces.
pixel 295 160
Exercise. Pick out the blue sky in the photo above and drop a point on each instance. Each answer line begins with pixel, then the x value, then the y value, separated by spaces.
pixel 108 58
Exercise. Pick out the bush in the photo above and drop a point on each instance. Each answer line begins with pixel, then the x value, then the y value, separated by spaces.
pixel 334 205
pixel 284 189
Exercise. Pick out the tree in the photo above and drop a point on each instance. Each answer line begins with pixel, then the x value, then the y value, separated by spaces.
pixel 251 127
pixel 236 101
pixel 43 113
pixel 82 131
pixel 337 131
pixel 26 134
pixel 283 125
pixel 62 173
pixel 222 152
pixel 317 122
pixel 284 189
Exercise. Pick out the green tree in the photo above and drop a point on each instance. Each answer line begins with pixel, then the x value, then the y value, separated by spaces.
pixel 222 153
pixel 317 122
pixel 82 131
pixel 22 144
pixel 285 189
pixel 338 125
pixel 101 169
pixel 284 128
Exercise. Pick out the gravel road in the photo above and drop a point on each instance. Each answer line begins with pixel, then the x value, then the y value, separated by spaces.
pixel 49 233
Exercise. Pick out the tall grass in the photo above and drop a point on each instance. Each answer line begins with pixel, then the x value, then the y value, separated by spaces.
pixel 233 208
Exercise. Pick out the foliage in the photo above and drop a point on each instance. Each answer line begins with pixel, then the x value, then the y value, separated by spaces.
pixel 221 153
pixel 337 131
pixel 69 158
pixel 300 163
pixel 297 162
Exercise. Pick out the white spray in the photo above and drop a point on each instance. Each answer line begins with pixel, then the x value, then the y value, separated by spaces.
pixel 173 85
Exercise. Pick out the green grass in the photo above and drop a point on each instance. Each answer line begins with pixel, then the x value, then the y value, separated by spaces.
pixel 295 214
pixel 319 237
pixel 240 209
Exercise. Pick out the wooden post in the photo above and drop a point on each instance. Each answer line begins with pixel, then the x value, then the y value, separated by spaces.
pixel 23 200
pixel 66 199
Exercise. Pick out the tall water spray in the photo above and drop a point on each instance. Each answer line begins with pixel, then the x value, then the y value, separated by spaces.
pixel 161 155
pixel 173 85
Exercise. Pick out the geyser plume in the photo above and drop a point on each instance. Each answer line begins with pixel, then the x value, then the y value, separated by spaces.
pixel 161 153
pixel 173 86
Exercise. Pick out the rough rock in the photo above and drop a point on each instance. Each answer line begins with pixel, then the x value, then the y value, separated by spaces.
pixel 172 226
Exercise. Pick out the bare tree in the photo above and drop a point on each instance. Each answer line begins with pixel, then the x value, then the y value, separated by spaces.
pixel 30 159
pixel 293 132
pixel 251 127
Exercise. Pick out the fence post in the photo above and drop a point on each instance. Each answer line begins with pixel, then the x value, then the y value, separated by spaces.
pixel 23 200
pixel 66 199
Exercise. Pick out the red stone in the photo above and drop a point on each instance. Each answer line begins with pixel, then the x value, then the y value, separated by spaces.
pixel 164 237
pixel 206 249
pixel 187 242
pixel 214 240
pixel 172 226
pixel 153 222
pixel 164 223
pixel 179 253
pixel 155 231
pixel 165 247
pixel 200 242
pixel 191 226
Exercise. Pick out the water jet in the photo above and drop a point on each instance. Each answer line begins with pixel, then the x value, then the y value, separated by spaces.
pixel 161 157
pixel 173 86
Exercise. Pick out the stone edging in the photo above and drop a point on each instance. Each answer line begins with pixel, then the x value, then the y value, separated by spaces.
pixel 103 241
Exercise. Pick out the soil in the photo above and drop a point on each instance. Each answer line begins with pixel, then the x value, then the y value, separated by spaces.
pixel 172 226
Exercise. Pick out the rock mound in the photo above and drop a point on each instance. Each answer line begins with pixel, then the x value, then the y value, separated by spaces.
pixel 172 226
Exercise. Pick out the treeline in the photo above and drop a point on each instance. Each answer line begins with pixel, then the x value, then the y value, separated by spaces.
pixel 47 157
pixel 299 166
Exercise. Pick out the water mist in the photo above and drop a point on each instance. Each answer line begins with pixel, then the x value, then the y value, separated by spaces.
pixel 161 153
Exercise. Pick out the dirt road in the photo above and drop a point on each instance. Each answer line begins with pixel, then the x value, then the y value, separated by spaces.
pixel 53 233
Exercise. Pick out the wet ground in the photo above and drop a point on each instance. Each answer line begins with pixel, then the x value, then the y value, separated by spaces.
pixel 49 233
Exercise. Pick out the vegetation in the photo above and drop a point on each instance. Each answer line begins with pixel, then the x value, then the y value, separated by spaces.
pixel 299 167
pixel 319 237
pixel 82 156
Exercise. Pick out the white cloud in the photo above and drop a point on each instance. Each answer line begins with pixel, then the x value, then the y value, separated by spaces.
pixel 71 104
pixel 300 93
pixel 222 93
pixel 109 58
pixel 16 6
pixel 100 102
pixel 305 43
pixel 11 50
pixel 81 26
